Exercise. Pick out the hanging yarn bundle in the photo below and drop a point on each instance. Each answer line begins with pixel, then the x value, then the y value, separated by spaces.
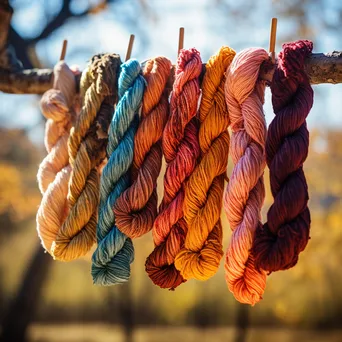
pixel 136 208
pixel 245 192
pixel 181 150
pixel 56 105
pixel 72 224
pixel 114 254
pixel 202 252
pixel 286 232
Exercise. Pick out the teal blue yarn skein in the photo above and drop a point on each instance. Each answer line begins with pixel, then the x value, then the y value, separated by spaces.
pixel 114 253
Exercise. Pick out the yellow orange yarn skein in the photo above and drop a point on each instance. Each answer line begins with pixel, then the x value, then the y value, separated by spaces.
pixel 202 252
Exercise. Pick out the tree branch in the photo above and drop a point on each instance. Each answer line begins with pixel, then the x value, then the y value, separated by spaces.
pixel 30 81
pixel 6 13
pixel 63 15
pixel 20 46
pixel 325 68
pixel 321 68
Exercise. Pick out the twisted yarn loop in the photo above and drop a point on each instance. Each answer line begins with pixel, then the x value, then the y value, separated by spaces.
pixel 53 173
pixel 181 150
pixel 114 253
pixel 86 146
pixel 55 105
pixel 136 208
pixel 245 193
pixel 202 252
pixel 286 233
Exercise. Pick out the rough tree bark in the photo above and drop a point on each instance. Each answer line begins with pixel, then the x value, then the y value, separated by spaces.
pixel 320 67
pixel 30 81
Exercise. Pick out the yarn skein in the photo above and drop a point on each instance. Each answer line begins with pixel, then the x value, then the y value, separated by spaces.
pixel 136 208
pixel 286 233
pixel 181 150
pixel 56 105
pixel 74 227
pixel 202 252
pixel 245 193
pixel 114 253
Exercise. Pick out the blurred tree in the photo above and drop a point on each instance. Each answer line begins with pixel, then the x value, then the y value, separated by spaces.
pixel 126 308
pixel 302 18
pixel 12 46
pixel 18 193
pixel 18 201
pixel 242 322
pixel 18 53
pixel 319 264
pixel 58 16
pixel 23 308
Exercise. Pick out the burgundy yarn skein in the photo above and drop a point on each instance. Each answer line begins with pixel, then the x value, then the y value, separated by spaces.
pixel 286 233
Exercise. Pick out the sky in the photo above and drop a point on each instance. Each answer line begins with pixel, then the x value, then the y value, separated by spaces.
pixel 207 27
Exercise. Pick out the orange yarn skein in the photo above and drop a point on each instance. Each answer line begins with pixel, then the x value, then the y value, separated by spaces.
pixel 202 252
pixel 136 208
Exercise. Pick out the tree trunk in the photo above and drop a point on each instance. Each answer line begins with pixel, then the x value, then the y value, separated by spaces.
pixel 242 322
pixel 23 308
pixel 127 311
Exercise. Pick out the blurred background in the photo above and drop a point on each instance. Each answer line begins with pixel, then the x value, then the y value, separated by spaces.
pixel 57 301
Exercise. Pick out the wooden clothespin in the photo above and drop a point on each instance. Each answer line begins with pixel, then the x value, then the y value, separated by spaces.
pixel 180 40
pixel 130 47
pixel 172 75
pixel 273 37
pixel 64 47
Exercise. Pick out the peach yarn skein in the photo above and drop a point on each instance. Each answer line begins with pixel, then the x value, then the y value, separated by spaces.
pixel 54 171
pixel 70 220
pixel 245 193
